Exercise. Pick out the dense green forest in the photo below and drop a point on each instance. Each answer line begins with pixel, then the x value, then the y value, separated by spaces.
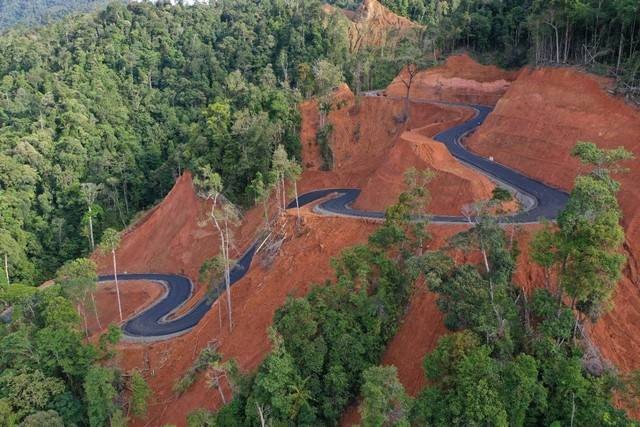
pixel 128 98
pixel 36 12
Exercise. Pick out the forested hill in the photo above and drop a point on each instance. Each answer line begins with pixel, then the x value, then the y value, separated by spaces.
pixel 34 12
pixel 128 97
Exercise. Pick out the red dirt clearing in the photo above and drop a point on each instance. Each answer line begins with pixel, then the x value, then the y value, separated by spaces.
pixel 135 295
pixel 532 129
pixel 303 259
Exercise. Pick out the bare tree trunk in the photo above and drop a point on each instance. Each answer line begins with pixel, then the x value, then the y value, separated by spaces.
pixel 485 259
pixel 84 318
pixel 91 240
pixel 406 105
pixel 284 193
pixel 219 311
pixel 555 28
pixel 527 314
pixel 265 204
pixel 227 276
pixel 124 193
pixel 566 42
pixel 225 257
pixel 95 310
pixel 6 267
pixel 295 189
pixel 115 276
pixel 219 387
pixel 573 408
pixel 261 414
pixel 620 46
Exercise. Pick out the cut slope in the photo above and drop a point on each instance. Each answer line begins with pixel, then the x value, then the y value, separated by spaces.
pixel 533 129
pixel 372 24
pixel 459 79
pixel 172 238
pixel 372 152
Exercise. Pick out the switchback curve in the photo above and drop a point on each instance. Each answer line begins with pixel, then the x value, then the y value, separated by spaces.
pixel 157 322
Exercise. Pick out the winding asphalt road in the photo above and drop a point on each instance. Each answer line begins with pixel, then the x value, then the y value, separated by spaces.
pixel 157 322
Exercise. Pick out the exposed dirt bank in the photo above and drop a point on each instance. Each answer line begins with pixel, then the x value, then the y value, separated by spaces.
pixel 303 259
pixel 459 79
pixel 372 24
pixel 453 186
pixel 372 151
pixel 533 129
pixel 175 237
pixel 170 239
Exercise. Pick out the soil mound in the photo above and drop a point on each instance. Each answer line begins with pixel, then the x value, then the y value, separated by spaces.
pixel 459 79
pixel 453 186
pixel 533 129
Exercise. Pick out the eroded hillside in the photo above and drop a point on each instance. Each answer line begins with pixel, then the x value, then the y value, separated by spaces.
pixel 533 129
pixel 372 24
pixel 371 151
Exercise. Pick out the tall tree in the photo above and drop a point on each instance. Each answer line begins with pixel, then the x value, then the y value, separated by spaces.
pixel 90 192
pixel 109 243
pixel 293 172
pixel 384 401
pixel 279 168
pixel 7 245
pixel 586 246
pixel 223 215
pixel 261 191
pixel 210 272
pixel 78 281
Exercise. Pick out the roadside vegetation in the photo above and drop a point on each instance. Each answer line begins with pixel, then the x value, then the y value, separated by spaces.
pixel 514 357
pixel 49 374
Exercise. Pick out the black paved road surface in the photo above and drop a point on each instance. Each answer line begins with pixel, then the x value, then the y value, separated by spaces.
pixel 157 322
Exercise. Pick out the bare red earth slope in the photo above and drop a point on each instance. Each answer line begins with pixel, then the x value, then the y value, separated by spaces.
pixel 532 129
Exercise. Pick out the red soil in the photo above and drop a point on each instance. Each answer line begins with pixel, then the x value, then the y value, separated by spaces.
pixel 255 300
pixel 169 239
pixel 459 79
pixel 372 152
pixel 533 129
pixel 135 296
pixel 423 326
pixel 174 238
pixel 453 186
